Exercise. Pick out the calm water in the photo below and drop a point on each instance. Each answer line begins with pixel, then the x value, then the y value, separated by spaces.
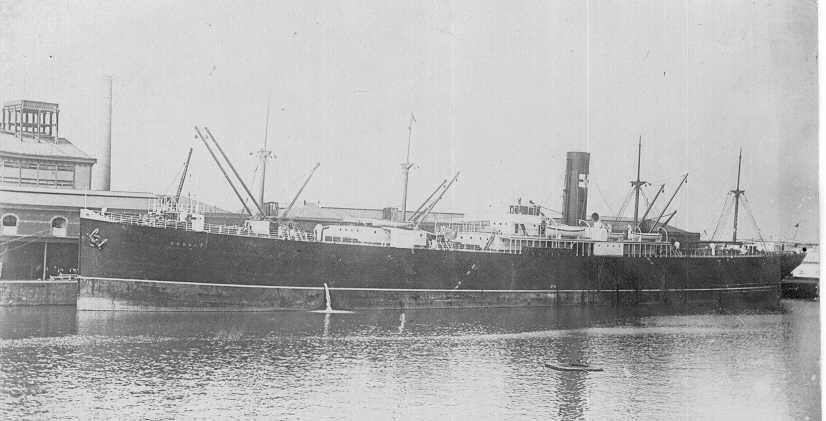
pixel 462 364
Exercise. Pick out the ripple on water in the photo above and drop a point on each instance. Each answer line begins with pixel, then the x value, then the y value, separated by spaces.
pixel 484 364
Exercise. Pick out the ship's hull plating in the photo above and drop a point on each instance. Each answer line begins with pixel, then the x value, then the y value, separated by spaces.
pixel 148 268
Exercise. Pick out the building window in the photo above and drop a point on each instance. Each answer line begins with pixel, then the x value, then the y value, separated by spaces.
pixel 9 224
pixel 37 173
pixel 59 224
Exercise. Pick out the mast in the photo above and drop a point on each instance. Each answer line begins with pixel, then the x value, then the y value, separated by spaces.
pixel 637 186
pixel 263 155
pixel 737 193
pixel 406 165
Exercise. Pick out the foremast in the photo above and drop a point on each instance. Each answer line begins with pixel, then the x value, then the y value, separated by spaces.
pixel 637 185
pixel 406 165
pixel 737 192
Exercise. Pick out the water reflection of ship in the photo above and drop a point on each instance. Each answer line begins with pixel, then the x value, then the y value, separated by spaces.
pixel 571 387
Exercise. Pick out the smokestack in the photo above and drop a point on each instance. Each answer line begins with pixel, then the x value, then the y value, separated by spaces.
pixel 104 164
pixel 575 195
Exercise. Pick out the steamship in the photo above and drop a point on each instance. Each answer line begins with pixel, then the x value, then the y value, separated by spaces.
pixel 172 259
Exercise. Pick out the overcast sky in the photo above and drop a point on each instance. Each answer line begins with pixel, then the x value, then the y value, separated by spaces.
pixel 501 91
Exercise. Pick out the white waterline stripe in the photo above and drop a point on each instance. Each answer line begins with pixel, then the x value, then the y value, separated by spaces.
pixel 758 287
pixel 198 283
pixel 37 282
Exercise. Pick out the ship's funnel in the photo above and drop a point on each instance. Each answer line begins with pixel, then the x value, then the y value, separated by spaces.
pixel 103 175
pixel 575 195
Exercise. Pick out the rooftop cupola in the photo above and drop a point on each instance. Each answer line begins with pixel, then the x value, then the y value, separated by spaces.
pixel 35 119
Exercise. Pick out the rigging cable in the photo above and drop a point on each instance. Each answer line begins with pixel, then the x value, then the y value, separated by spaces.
pixel 168 188
pixel 254 182
pixel 645 196
pixel 602 196
pixel 723 212
pixel 178 174
pixel 625 203
pixel 747 206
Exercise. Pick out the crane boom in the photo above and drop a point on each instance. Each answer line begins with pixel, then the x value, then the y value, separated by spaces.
pixel 651 205
pixel 669 218
pixel 426 201
pixel 183 177
pixel 223 171
pixel 237 176
pixel 430 207
pixel 287 211
pixel 685 177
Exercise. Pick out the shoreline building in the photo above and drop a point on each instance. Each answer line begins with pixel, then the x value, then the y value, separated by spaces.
pixel 44 182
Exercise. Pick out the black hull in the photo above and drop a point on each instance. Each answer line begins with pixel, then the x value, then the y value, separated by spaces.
pixel 214 264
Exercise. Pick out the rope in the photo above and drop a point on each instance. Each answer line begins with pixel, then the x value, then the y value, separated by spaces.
pixel 192 144
pixel 747 206
pixel 645 196
pixel 254 182
pixel 624 205
pixel 608 207
pixel 726 204
pixel 177 177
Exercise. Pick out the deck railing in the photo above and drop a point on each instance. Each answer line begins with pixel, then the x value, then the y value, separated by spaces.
pixel 159 222
pixel 580 247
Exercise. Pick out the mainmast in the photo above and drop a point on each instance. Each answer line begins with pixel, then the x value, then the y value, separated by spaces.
pixel 263 155
pixel 406 165
pixel 737 193
pixel 637 186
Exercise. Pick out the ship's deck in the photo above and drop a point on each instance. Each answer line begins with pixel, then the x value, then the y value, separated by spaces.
pixel 518 244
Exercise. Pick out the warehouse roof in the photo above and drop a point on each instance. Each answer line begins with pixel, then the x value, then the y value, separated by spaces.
pixel 58 149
